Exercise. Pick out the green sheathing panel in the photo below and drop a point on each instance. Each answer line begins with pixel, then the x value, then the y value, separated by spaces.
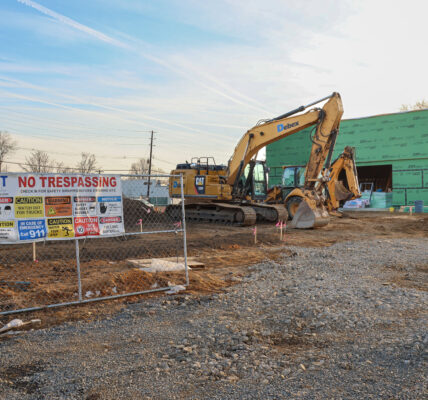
pixel 407 179
pixel 400 140
pixel 410 164
pixel 398 197
pixel 417 194
pixel 402 136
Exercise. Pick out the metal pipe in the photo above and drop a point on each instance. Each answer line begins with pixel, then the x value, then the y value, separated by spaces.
pixel 70 303
pixel 301 108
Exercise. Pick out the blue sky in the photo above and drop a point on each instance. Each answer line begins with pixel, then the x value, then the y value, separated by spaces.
pixel 96 75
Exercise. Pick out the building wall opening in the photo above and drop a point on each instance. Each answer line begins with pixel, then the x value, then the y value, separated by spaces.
pixel 379 175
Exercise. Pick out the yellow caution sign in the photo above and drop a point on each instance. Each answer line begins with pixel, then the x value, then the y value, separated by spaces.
pixel 7 224
pixel 29 207
pixel 60 228
pixel 8 233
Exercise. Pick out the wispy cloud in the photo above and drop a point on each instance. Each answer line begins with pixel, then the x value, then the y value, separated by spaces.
pixel 242 100
pixel 86 102
pixel 74 24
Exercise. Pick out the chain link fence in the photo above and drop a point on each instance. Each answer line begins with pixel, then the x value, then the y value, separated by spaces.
pixel 149 255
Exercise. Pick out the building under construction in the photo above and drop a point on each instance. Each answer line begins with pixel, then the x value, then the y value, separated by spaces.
pixel 391 154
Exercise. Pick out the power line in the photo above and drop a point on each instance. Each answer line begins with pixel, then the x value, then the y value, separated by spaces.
pixel 77 154
pixel 36 165
pixel 152 138
pixel 164 161
pixel 72 168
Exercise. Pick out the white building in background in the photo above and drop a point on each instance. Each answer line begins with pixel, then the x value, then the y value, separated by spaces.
pixel 137 189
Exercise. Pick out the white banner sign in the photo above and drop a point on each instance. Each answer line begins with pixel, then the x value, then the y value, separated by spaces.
pixel 58 206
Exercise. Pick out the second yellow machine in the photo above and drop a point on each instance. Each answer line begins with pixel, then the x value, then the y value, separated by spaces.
pixel 235 194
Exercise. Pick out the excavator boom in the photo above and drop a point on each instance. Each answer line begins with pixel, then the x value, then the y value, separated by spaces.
pixel 269 131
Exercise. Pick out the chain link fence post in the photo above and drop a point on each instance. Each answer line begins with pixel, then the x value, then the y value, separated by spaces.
pixel 183 219
pixel 79 279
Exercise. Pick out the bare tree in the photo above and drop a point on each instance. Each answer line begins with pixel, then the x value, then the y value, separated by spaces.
pixel 87 164
pixel 419 105
pixel 7 146
pixel 38 161
pixel 140 167
pixel 61 168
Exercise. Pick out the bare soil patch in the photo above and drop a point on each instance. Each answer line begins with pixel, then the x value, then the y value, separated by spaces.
pixel 226 252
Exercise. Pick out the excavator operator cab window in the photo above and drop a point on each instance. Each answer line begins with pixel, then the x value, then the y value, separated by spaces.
pixel 300 176
pixel 258 183
pixel 259 180
pixel 288 177
pixel 293 177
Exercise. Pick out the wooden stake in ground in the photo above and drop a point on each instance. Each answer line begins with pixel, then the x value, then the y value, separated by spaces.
pixel 34 252
pixel 255 234
pixel 280 225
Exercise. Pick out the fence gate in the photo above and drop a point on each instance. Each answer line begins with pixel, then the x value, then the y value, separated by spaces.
pixel 69 239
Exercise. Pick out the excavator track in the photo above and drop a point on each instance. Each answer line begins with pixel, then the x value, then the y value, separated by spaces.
pixel 232 214
pixel 270 212
pixel 223 213
pixel 220 213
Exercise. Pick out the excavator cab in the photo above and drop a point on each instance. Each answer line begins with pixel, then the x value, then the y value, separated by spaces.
pixel 292 177
pixel 253 182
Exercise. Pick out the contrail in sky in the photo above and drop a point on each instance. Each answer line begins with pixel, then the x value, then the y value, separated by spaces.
pixel 74 24
pixel 107 39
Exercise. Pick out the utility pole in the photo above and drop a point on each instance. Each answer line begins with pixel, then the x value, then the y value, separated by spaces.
pixel 150 166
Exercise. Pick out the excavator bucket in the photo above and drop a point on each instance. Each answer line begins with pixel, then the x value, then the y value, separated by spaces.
pixel 308 216
pixel 341 192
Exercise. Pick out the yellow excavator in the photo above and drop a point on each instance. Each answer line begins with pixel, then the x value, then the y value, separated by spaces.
pixel 338 182
pixel 236 194
pixel 342 179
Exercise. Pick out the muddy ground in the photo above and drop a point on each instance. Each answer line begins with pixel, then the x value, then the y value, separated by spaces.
pixel 226 252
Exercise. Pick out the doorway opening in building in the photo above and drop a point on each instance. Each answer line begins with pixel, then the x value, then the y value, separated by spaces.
pixel 379 175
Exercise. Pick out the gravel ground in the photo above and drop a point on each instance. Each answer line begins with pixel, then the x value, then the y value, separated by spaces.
pixel 342 322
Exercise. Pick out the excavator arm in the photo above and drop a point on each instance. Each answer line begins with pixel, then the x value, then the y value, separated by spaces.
pixel 327 122
pixel 337 191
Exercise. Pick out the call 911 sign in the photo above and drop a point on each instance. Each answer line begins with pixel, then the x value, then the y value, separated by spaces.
pixel 37 207
pixel 32 229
